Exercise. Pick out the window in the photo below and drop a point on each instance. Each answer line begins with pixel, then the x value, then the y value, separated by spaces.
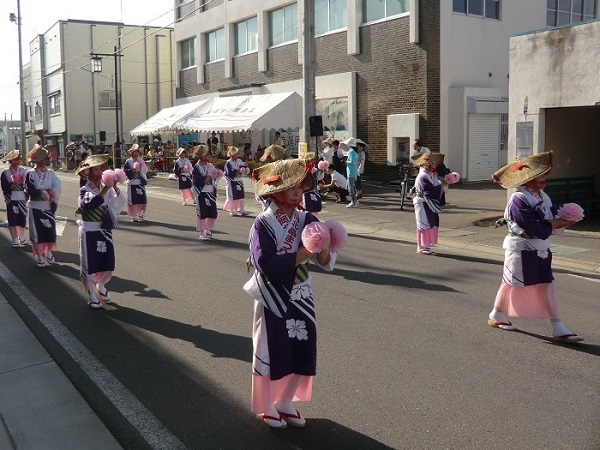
pixel 54 104
pixel 246 36
pixel 380 9
pixel 490 9
pixel 108 99
pixel 38 111
pixel 283 25
pixel 188 53
pixel 185 7
pixel 563 12
pixel 330 15
pixel 215 45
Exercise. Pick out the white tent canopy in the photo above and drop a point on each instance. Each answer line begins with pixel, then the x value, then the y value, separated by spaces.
pixel 166 119
pixel 244 113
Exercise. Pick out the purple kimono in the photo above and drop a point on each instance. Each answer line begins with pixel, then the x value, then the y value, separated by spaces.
pixel 206 205
pixel 15 198
pixel 235 184
pixel 183 171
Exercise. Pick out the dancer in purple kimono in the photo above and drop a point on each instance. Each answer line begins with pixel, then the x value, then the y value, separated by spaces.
pixel 527 288
pixel 234 167
pixel 285 333
pixel 183 171
pixel 13 188
pixel 100 207
pixel 43 188
pixel 428 201
pixel 311 201
pixel 204 178
pixel 135 169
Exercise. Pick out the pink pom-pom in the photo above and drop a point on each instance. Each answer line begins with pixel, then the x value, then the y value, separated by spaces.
pixel 244 171
pixel 45 195
pixel 214 173
pixel 323 165
pixel 120 176
pixel 570 211
pixel 338 233
pixel 221 174
pixel 452 178
pixel 137 166
pixel 186 169
pixel 15 179
pixel 315 237
pixel 108 177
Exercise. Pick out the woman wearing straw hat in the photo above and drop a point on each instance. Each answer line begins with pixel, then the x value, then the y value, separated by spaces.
pixel 43 188
pixel 183 171
pixel 204 178
pixel 100 202
pixel 234 167
pixel 527 288
pixel 311 200
pixel 428 201
pixel 273 153
pixel 284 335
pixel 135 169
pixel 13 187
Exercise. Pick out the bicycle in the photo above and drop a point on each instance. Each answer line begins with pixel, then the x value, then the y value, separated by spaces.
pixel 406 182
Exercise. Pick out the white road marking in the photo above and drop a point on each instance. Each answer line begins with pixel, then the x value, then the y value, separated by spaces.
pixel 61 222
pixel 585 278
pixel 154 432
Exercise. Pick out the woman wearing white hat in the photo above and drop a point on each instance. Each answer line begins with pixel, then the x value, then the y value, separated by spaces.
pixel 13 187
pixel 135 169
pixel 44 189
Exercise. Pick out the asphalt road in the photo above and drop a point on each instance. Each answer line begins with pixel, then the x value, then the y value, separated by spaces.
pixel 406 359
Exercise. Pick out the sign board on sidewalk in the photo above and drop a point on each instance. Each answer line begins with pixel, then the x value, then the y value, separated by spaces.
pixel 524 139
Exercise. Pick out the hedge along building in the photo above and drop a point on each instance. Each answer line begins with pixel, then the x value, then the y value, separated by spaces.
pixel 555 98
pixel 387 72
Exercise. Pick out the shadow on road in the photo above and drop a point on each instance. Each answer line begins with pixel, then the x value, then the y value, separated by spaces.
pixel 591 349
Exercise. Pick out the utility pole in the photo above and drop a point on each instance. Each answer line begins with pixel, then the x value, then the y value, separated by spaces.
pixel 307 31
pixel 17 20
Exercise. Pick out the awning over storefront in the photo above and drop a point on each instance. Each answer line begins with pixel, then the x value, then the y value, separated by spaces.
pixel 243 113
pixel 166 120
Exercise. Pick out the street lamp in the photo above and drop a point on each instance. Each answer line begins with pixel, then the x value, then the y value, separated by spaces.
pixel 96 64
pixel 17 19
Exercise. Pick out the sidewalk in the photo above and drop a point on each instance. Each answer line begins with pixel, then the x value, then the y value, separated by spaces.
pixel 39 407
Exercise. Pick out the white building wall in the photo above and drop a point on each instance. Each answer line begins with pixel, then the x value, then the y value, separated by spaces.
pixel 557 68
pixel 471 49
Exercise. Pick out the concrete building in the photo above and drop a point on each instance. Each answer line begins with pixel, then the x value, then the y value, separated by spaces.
pixel 67 101
pixel 555 98
pixel 10 135
pixel 387 72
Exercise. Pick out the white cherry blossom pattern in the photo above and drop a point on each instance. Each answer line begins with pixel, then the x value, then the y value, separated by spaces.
pixel 542 254
pixel 46 223
pixel 300 292
pixel 101 246
pixel 297 329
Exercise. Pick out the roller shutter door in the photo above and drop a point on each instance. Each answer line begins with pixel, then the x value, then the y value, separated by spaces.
pixel 483 146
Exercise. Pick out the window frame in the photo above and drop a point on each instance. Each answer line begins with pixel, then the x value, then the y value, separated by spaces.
pixel 112 99
pixel 213 37
pixel 191 57
pixel 386 16
pixel 556 12
pixel 295 25
pixel 329 17
pixel 463 7
pixel 54 104
pixel 248 39
pixel 185 7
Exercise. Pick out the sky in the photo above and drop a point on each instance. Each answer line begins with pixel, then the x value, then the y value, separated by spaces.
pixel 39 15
